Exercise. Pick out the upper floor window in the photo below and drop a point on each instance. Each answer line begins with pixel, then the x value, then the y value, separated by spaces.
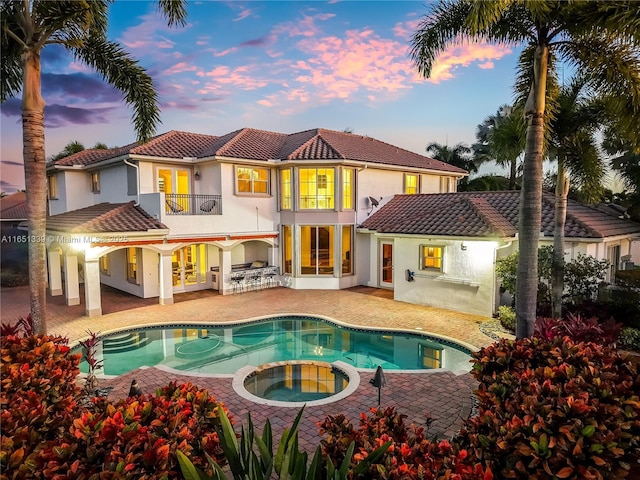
pixel 252 180
pixel 317 188
pixel 285 189
pixel 347 188
pixel 431 257
pixel 95 182
pixel 447 184
pixel 411 183
pixel 52 186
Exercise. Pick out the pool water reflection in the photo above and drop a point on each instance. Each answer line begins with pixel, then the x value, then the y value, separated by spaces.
pixel 224 349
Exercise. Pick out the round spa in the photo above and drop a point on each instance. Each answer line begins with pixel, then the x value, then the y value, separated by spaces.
pixel 297 381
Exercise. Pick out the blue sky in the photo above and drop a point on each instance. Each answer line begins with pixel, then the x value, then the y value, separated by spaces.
pixel 279 66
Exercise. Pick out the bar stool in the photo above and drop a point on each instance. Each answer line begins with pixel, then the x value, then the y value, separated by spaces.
pixel 270 278
pixel 254 280
pixel 237 282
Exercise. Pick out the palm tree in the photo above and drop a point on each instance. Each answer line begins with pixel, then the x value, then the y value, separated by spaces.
pixel 501 140
pixel 74 147
pixel 577 119
pixel 598 37
pixel 626 163
pixel 81 27
pixel 459 156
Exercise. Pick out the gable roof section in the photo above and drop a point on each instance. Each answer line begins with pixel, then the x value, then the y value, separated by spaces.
pixel 14 206
pixel 105 218
pixel 487 214
pixel 253 144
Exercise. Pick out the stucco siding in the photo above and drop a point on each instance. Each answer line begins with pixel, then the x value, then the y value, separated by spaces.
pixel 465 284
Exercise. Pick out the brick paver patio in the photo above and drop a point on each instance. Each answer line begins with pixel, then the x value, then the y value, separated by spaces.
pixel 441 395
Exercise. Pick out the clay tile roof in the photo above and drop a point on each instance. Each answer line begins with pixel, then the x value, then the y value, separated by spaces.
pixel 176 144
pixel 249 143
pixel 93 155
pixel 329 144
pixel 487 214
pixel 253 144
pixel 14 206
pixel 104 218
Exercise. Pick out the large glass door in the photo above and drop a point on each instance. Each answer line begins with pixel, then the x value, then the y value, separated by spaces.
pixel 175 184
pixel 386 264
pixel 189 268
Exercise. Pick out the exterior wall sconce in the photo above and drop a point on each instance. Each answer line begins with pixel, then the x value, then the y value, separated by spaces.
pixel 463 246
pixel 409 275
pixel 197 175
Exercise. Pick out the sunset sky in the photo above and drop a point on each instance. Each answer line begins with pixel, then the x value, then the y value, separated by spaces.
pixel 279 66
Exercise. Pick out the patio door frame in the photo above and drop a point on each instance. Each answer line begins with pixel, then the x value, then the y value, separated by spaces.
pixel 385 264
pixel 183 270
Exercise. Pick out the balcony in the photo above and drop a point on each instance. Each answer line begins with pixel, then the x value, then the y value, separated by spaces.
pixel 192 204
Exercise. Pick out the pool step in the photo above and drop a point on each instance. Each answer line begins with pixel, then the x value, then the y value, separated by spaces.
pixel 125 342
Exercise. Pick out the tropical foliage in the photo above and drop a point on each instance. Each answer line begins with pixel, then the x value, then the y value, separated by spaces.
pixel 81 27
pixel 500 139
pixel 555 409
pixel 598 38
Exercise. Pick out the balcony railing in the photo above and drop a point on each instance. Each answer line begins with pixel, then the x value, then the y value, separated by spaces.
pixel 192 204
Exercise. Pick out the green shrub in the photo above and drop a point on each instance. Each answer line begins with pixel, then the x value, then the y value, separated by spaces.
pixel 507 317
pixel 554 409
pixel 11 278
pixel 629 278
pixel 629 339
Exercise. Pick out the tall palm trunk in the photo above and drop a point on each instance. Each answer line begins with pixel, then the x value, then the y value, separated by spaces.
pixel 531 200
pixel 35 182
pixel 562 190
pixel 512 174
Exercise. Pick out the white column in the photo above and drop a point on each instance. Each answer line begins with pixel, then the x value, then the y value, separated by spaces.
pixel 225 272
pixel 92 298
pixel 71 284
pixel 55 275
pixel 166 279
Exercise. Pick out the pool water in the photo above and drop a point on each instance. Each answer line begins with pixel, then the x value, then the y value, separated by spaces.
pixel 224 349
pixel 303 381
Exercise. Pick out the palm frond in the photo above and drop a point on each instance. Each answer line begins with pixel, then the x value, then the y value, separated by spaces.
pixel 444 25
pixel 10 51
pixel 175 11
pixel 120 70
pixel 69 21
pixel 620 17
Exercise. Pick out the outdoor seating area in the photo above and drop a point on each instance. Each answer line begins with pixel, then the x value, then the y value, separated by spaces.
pixel 252 279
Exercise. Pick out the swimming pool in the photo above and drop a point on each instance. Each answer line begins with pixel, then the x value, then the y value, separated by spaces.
pixel 225 348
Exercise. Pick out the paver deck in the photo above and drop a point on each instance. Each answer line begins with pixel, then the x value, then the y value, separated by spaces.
pixel 441 395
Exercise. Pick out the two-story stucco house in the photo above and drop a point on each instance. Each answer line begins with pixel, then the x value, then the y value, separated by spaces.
pixel 231 213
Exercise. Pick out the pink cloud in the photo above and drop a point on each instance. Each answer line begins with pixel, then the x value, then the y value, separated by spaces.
pixel 225 52
pixel 362 60
pixel 179 68
pixel 406 29
pixel 240 77
pixel 483 54
pixel 302 28
pixel 244 13
pixel 147 35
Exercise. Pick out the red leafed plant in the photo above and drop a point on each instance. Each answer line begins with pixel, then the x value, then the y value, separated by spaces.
pixel 23 326
pixel 409 457
pixel 554 409
pixel 89 351
pixel 578 328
